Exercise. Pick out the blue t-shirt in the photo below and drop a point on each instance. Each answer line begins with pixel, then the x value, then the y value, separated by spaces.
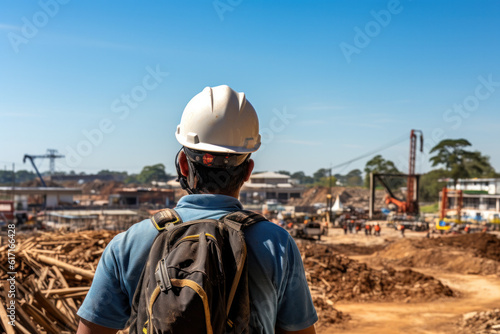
pixel 279 293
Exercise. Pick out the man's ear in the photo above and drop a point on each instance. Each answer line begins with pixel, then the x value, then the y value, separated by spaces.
pixel 183 164
pixel 251 164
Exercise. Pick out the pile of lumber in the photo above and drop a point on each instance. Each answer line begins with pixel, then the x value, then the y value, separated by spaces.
pixel 53 272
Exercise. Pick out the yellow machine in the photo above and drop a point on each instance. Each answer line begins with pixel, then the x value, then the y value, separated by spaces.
pixel 444 224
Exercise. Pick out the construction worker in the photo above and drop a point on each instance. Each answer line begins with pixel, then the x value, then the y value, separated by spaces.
pixel 467 229
pixel 218 131
pixel 377 229
pixel 402 229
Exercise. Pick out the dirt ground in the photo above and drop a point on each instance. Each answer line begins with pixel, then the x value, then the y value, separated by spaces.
pixel 467 265
pixel 359 284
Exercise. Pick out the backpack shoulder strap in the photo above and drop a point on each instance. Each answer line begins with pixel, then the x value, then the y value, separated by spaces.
pixel 164 219
pixel 241 219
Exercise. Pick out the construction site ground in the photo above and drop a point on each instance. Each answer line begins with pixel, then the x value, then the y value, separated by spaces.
pixel 467 265
pixel 359 283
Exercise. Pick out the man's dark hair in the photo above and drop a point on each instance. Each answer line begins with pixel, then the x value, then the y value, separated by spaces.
pixel 226 181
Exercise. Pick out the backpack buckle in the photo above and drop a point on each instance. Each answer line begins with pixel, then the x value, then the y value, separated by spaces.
pixel 161 276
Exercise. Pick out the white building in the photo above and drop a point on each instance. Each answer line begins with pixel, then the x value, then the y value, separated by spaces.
pixel 481 197
pixel 269 186
pixel 54 196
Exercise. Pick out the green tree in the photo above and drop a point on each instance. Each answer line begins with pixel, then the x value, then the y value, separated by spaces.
pixel 459 162
pixel 430 186
pixel 379 165
pixel 302 178
pixel 116 175
pixel 152 173
pixel 326 181
pixel 354 178
pixel 132 178
pixel 320 174
pixel 24 175
pixel 479 165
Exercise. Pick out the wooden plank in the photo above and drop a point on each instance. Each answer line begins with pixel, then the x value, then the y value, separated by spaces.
pixel 59 242
pixel 20 328
pixel 67 267
pixel 53 310
pixel 49 288
pixel 46 251
pixel 30 262
pixel 9 329
pixel 71 295
pixel 63 306
pixel 40 318
pixel 66 291
pixel 26 320
pixel 64 284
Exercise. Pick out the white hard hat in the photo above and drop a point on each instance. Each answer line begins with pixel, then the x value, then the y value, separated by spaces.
pixel 219 120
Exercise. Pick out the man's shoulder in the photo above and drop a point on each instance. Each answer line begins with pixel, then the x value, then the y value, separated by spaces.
pixel 267 232
pixel 138 235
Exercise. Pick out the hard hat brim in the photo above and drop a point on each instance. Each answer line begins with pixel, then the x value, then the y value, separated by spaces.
pixel 216 148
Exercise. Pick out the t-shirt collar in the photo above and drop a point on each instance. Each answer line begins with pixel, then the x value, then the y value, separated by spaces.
pixel 209 202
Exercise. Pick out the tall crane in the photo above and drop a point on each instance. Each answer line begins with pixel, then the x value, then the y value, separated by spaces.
pixel 411 204
pixel 51 154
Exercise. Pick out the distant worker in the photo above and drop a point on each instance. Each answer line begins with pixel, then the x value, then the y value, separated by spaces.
pixel 402 229
pixel 377 229
pixel 467 229
pixel 344 226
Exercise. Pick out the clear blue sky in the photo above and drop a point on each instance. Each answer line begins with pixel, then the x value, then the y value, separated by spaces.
pixel 349 76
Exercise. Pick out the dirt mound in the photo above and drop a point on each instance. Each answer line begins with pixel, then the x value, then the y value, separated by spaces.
pixel 100 188
pixel 37 183
pixel 483 245
pixel 353 249
pixel 333 277
pixel 356 197
pixel 476 253
pixel 480 322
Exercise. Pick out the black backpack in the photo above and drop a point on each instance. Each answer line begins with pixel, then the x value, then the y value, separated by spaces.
pixel 196 278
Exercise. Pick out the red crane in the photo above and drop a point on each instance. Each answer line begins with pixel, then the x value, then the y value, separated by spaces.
pixel 411 204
